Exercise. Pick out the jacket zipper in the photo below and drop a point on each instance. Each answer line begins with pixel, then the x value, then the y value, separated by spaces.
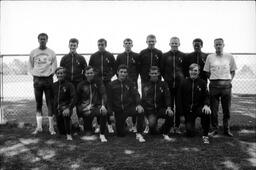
pixel 102 67
pixel 90 93
pixel 192 101
pixel 151 58
pixel 174 74
pixel 59 97
pixel 155 96
pixel 127 59
pixel 72 68
pixel 122 96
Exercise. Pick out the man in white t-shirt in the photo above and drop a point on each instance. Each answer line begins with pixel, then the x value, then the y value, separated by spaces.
pixel 42 64
pixel 220 68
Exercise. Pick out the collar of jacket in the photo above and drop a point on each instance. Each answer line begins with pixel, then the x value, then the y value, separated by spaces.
pixel 62 82
pixel 176 52
pixel 193 79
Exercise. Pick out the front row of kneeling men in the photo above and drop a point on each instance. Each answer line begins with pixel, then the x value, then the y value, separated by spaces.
pixel 122 99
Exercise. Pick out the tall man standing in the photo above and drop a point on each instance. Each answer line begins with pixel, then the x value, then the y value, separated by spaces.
pixel 42 64
pixel 220 68
pixel 105 67
pixel 197 57
pixel 149 57
pixel 130 59
pixel 74 65
pixel 172 70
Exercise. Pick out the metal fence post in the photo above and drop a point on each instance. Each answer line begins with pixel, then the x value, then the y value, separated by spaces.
pixel 2 116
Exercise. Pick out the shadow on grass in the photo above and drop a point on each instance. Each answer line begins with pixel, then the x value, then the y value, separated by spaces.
pixel 20 150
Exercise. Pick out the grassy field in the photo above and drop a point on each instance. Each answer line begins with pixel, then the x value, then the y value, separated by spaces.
pixel 20 150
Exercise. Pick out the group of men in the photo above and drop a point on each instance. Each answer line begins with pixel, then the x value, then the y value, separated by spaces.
pixel 182 91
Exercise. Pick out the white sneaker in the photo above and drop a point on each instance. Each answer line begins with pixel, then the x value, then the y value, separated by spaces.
pixel 69 137
pixel 146 130
pixel 134 129
pixel 140 137
pixel 97 129
pixel 37 131
pixel 103 138
pixel 206 140
pixel 52 132
pixel 110 129
pixel 177 131
pixel 167 138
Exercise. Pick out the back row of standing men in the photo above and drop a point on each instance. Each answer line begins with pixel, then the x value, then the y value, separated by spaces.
pixel 174 66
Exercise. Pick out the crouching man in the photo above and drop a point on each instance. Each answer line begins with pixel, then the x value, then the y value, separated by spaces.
pixel 156 103
pixel 91 96
pixel 64 101
pixel 124 101
pixel 195 102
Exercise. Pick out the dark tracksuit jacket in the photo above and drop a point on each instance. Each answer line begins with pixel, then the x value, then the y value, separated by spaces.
pixel 123 98
pixel 131 60
pixel 92 93
pixel 74 65
pixel 155 100
pixel 104 64
pixel 147 58
pixel 64 97
pixel 194 95
pixel 122 95
pixel 172 67
pixel 172 70
pixel 155 96
pixel 198 58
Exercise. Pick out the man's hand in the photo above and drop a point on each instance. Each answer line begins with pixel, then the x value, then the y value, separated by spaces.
pixel 66 112
pixel 103 110
pixel 139 109
pixel 169 111
pixel 206 109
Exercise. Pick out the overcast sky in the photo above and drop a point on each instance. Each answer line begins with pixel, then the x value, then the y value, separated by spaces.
pixel 88 21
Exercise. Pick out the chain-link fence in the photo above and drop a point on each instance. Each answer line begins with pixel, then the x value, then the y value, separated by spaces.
pixel 16 85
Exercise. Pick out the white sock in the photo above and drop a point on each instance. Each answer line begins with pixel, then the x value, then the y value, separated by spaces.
pixel 39 120
pixel 50 123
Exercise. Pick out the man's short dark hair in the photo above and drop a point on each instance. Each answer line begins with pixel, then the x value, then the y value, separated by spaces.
pixel 193 65
pixel 60 68
pixel 127 39
pixel 42 34
pixel 218 39
pixel 198 40
pixel 151 36
pixel 73 40
pixel 102 40
pixel 153 68
pixel 122 66
pixel 88 68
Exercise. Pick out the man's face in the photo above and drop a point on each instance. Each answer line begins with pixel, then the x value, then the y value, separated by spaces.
pixel 193 73
pixel 153 74
pixel 218 45
pixel 73 46
pixel 174 44
pixel 101 46
pixel 89 74
pixel 151 42
pixel 60 74
pixel 128 45
pixel 42 40
pixel 122 74
pixel 197 46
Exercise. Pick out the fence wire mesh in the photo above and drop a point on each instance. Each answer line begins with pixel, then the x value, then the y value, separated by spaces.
pixel 16 85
